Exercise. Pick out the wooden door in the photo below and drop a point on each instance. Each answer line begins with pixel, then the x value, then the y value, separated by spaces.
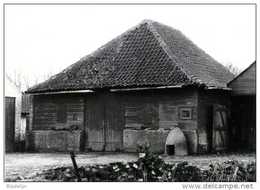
pixel 104 123
pixel 220 128
pixel 95 123
pixel 114 123
pixel 9 123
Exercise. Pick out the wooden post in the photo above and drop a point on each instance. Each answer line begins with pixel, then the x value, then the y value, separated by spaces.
pixel 29 142
pixel 72 155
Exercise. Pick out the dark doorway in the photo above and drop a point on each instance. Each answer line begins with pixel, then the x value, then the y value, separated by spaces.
pixel 170 149
pixel 244 122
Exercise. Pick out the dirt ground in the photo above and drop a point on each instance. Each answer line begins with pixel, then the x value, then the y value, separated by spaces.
pixel 18 165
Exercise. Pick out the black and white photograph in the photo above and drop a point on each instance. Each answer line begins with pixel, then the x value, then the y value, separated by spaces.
pixel 129 93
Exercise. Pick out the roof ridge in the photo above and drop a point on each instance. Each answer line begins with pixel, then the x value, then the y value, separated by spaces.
pixel 118 37
pixel 165 47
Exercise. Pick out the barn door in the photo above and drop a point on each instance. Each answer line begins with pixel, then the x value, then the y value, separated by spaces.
pixel 9 123
pixel 104 123
pixel 220 128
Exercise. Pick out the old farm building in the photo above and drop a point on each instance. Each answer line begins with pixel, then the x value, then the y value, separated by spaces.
pixel 134 90
pixel 244 108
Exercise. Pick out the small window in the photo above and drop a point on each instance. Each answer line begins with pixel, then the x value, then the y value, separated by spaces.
pixel 61 113
pixel 185 113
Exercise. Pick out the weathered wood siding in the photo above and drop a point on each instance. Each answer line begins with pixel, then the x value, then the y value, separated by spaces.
pixel 9 124
pixel 244 109
pixel 110 121
pixel 169 114
pixel 47 132
pixel 170 105
pixel 245 83
pixel 46 108
pixel 104 122
pixel 114 112
pixel 160 109
pixel 140 110
pixel 206 100
pixel 94 123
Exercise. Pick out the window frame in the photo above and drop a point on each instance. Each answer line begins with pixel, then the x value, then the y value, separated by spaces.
pixel 185 109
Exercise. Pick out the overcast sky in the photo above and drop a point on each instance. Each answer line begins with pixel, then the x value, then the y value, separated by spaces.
pixel 43 39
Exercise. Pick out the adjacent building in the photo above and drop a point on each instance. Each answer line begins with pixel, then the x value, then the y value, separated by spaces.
pixel 244 109
pixel 13 98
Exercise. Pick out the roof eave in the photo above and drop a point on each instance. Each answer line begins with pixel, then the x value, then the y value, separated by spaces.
pixel 61 92
pixel 146 88
pixel 218 88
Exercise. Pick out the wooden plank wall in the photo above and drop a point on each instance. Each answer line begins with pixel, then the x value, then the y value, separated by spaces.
pixel 117 111
pixel 165 105
pixel 164 108
pixel 94 123
pixel 104 122
pixel 114 122
pixel 45 111
pixel 9 124
pixel 177 99
pixel 170 105
pixel 141 110
pixel 245 83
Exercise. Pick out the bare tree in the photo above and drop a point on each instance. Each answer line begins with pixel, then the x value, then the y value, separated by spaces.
pixel 23 81
pixel 17 78
pixel 232 68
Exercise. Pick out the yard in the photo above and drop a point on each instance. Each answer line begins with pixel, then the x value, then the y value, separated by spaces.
pixel 19 166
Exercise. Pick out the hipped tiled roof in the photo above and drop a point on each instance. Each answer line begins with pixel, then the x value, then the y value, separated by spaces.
pixel 148 55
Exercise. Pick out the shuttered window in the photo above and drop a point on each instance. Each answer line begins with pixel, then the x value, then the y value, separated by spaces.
pixel 61 113
pixel 142 115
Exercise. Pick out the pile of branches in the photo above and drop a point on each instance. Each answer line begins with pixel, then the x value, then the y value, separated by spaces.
pixel 152 168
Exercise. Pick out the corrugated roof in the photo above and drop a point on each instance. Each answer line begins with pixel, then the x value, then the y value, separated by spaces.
pixel 150 54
